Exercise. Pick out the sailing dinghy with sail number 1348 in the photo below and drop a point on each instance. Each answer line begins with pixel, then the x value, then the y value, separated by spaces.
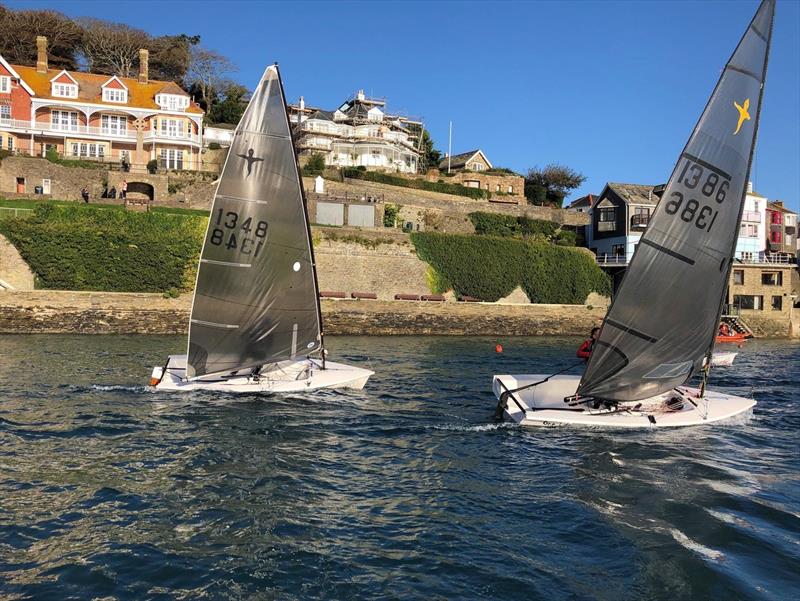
pixel 256 324
pixel 660 328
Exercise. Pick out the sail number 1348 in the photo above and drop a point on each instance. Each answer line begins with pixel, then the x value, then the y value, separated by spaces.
pixel 705 184
pixel 235 233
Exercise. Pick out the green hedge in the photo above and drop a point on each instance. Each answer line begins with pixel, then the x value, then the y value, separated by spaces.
pixel 490 268
pixel 82 247
pixel 418 184
pixel 495 224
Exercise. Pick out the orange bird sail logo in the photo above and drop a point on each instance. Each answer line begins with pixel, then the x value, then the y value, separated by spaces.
pixel 743 114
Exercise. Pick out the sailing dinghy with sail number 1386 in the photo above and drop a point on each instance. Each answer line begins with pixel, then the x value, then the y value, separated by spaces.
pixel 660 328
pixel 256 324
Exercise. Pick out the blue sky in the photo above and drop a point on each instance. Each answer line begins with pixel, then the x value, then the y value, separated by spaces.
pixel 611 89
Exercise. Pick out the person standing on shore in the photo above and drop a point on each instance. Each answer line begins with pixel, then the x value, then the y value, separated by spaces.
pixel 85 195
pixel 123 190
pixel 585 350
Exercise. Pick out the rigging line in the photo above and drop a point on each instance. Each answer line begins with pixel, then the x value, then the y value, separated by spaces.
pixel 504 396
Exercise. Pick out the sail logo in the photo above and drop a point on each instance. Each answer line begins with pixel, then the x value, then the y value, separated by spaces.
pixel 743 114
pixel 252 159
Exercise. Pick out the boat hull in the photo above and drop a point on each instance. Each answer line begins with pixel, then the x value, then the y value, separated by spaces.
pixel 733 338
pixel 286 376
pixel 544 405
pixel 723 358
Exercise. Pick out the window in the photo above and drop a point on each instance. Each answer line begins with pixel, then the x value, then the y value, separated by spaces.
pixel 755 206
pixel 641 216
pixel 64 120
pixel 772 278
pixel 172 102
pixel 511 189
pixel 171 158
pixel 775 237
pixel 607 220
pixel 116 125
pixel 618 250
pixel 497 188
pixel 10 144
pixel 87 149
pixel 5 112
pixel 748 301
pixel 170 127
pixel 738 276
pixel 478 166
pixel 5 84
pixel 777 303
pixel 65 90
pixel 115 95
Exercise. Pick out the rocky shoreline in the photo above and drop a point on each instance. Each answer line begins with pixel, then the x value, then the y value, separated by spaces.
pixel 57 312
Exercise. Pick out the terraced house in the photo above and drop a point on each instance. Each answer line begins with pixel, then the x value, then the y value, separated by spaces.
pixel 98 117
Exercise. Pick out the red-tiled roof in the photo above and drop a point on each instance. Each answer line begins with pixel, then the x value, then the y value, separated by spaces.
pixel 140 95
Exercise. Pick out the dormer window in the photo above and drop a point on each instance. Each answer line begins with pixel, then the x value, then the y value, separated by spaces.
pixel 115 95
pixel 65 90
pixel 172 102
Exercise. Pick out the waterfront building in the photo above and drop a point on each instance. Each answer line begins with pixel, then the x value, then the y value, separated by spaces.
pixel 90 116
pixel 782 233
pixel 751 244
pixel 360 133
pixel 582 204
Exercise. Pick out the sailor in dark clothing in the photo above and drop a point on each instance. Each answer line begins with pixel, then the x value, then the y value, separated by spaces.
pixel 585 350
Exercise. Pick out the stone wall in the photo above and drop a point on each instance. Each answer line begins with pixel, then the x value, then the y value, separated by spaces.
pixel 385 265
pixel 52 312
pixel 434 210
pixel 194 189
pixel 498 184
pixel 65 182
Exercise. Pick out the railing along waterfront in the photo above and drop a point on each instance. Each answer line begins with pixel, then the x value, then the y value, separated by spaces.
pixel 764 259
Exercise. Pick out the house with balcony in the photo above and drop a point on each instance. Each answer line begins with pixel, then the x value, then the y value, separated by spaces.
pixel 360 133
pixel 619 216
pixel 782 232
pixel 90 116
pixel 751 244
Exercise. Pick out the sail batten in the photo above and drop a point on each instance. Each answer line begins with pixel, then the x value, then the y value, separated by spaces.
pixel 256 299
pixel 662 321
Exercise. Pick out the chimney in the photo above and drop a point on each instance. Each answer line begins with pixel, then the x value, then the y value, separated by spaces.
pixel 41 54
pixel 749 187
pixel 143 65
pixel 360 95
pixel 302 103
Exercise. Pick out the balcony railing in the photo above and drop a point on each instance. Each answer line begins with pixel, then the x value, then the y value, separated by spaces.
pixel 612 260
pixel 765 259
pixel 751 216
pixel 60 129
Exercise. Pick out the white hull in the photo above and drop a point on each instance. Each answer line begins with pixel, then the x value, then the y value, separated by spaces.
pixel 544 405
pixel 286 376
pixel 723 358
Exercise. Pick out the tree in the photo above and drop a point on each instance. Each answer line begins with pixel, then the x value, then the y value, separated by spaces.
pixel 551 184
pixel 111 48
pixel 170 56
pixel 231 107
pixel 206 73
pixel 429 156
pixel 18 31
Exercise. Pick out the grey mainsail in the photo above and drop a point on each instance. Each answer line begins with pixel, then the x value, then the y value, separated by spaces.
pixel 256 298
pixel 664 317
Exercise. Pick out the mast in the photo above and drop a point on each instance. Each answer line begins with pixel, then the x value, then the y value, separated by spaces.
pixel 307 220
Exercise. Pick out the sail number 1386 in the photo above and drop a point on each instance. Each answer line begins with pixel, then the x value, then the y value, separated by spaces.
pixel 234 233
pixel 705 184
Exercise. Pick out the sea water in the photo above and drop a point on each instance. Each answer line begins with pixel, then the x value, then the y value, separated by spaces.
pixel 408 489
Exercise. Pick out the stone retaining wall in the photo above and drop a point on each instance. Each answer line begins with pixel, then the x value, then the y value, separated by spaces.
pixel 54 312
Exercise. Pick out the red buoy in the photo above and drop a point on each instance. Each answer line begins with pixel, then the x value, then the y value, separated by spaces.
pixel 498 348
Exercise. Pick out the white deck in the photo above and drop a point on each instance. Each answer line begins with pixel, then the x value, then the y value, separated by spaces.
pixel 544 405
pixel 286 376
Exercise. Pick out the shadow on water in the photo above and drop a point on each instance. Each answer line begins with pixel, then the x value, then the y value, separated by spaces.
pixel 407 489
